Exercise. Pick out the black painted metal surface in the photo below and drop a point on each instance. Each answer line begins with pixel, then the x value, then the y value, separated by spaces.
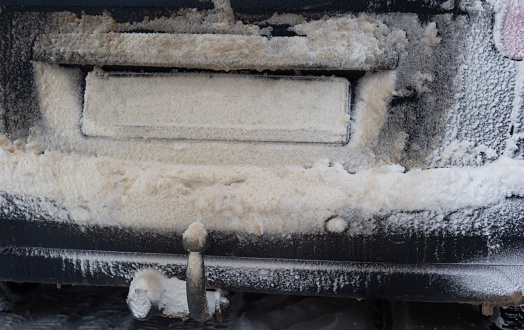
pixel 323 6
pixel 247 6
pixel 386 244
pixel 415 282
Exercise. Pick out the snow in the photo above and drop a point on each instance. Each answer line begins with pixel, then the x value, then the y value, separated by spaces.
pixel 288 19
pixel 145 291
pixel 496 280
pixel 213 40
pixel 244 107
pixel 471 6
pixel 501 281
pixel 418 70
pixel 253 199
pixel 196 236
pixel 517 117
pixel 374 93
pixel 285 187
pixel 431 34
pixel 61 116
pixel 336 225
pixel 150 288
pixel 448 5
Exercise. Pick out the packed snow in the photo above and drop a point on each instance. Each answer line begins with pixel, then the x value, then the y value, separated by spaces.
pixel 151 289
pixel 104 190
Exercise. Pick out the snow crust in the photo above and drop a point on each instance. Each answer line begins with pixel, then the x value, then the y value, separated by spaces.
pixel 244 107
pixel 215 40
pixel 374 93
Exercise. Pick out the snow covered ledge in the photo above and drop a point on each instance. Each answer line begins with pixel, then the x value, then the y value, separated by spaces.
pixel 110 192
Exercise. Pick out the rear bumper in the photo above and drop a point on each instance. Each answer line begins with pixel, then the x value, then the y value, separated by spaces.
pixel 475 267
pixel 463 247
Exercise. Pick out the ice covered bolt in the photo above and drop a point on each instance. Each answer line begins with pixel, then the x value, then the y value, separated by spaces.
pixel 195 242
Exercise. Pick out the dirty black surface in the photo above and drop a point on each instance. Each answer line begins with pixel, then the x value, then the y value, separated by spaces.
pixel 105 308
pixel 245 6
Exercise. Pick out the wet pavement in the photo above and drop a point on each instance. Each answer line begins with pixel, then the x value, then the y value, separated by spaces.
pixel 105 308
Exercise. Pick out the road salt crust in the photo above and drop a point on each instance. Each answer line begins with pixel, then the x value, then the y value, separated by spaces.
pixel 286 199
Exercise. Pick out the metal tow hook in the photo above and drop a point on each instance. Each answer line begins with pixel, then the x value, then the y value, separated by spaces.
pixel 195 242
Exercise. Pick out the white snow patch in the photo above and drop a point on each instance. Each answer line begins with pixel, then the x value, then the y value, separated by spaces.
pixel 373 95
pixel 336 225
pixel 431 34
pixel 461 153
pixel 471 6
pixel 150 288
pixel 196 233
pixel 284 19
pixel 62 116
pixel 448 5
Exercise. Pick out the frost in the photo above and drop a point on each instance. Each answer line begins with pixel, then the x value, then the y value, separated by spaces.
pixel 244 107
pixel 508 34
pixel 514 141
pixel 481 113
pixel 464 153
